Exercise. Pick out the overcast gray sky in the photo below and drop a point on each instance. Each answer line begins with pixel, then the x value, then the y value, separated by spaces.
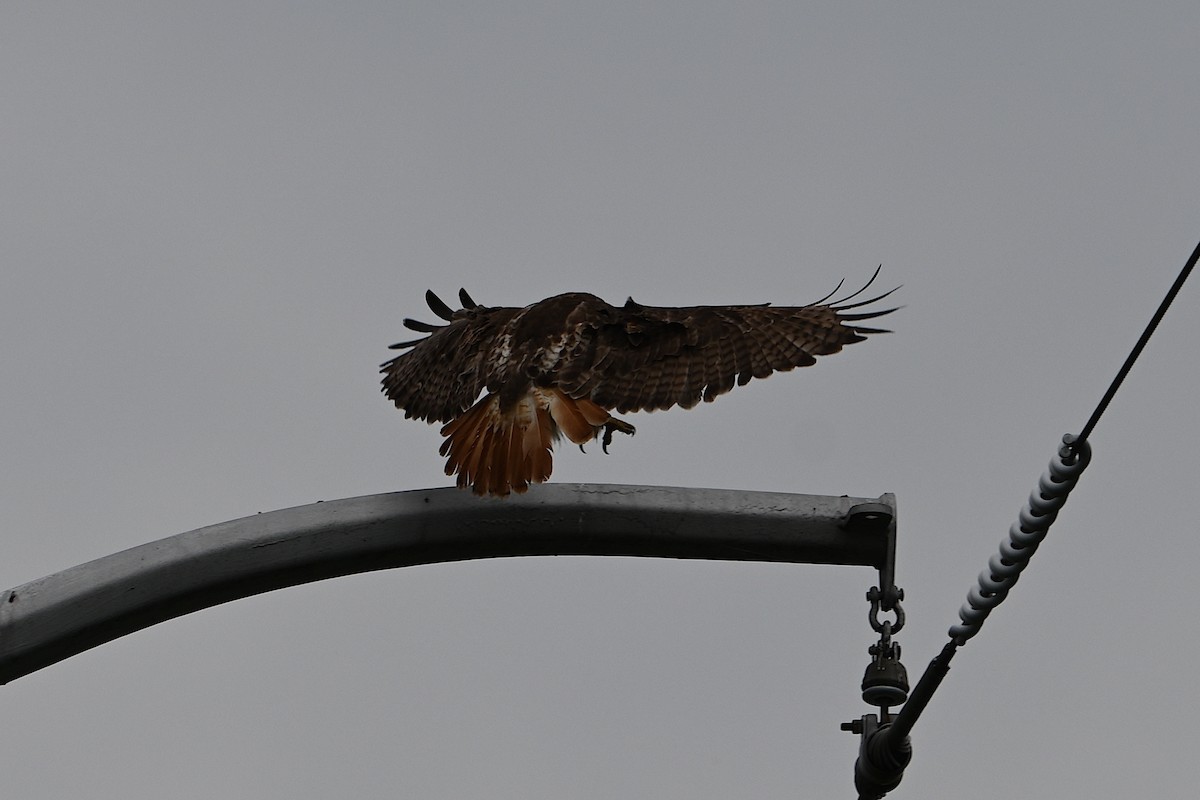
pixel 213 218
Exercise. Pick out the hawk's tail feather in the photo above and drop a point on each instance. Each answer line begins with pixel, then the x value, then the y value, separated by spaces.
pixel 500 468
pixel 468 436
pixel 539 444
pixel 498 452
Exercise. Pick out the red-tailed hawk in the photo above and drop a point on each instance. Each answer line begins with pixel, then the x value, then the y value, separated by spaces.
pixel 562 365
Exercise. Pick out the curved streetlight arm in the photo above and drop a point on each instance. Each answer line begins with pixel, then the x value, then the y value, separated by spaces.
pixel 53 618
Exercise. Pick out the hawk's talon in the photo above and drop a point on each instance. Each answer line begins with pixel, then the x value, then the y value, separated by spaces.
pixel 615 424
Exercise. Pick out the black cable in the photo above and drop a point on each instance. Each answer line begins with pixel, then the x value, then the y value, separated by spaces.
pixel 1137 349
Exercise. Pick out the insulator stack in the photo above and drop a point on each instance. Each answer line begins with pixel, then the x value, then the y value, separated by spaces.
pixel 1024 536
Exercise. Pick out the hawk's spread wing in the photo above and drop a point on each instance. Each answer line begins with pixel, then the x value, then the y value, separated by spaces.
pixel 442 374
pixel 653 358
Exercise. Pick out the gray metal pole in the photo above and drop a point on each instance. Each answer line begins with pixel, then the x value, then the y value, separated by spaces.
pixel 53 618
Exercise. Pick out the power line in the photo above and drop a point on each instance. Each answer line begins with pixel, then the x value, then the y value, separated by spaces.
pixel 1137 348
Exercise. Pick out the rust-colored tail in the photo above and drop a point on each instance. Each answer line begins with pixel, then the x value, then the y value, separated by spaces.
pixel 497 452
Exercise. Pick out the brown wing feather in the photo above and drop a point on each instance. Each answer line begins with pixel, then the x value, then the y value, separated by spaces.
pixel 442 374
pixel 645 358
pixel 630 358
